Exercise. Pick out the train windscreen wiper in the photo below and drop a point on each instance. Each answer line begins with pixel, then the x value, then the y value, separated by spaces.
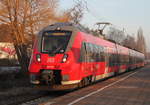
pixel 58 49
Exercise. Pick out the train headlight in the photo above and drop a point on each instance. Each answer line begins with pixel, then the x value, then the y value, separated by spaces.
pixel 64 58
pixel 58 28
pixel 38 57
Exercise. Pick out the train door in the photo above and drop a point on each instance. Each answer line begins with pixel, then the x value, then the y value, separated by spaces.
pixel 84 58
pixel 106 62
pixel 117 60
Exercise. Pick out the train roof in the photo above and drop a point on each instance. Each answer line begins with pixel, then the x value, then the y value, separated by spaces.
pixel 64 26
pixel 79 28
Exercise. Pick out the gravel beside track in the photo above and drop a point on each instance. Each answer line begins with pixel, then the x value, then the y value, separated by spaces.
pixel 27 96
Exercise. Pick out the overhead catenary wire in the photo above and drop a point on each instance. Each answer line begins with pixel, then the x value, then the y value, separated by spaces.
pixel 95 15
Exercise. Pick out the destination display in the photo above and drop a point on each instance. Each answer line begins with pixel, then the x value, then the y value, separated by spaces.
pixel 56 33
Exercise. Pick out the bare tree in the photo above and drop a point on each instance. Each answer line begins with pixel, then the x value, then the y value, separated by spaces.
pixel 141 44
pixel 24 18
pixel 116 35
pixel 4 32
pixel 76 13
pixel 130 42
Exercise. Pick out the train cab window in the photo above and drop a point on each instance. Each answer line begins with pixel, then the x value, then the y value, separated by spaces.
pixel 55 42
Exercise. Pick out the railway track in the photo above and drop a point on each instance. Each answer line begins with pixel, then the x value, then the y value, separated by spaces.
pixel 31 97
pixel 44 98
pixel 20 98
pixel 36 97
pixel 89 91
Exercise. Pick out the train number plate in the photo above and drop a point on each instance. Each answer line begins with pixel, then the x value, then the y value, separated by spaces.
pixel 50 60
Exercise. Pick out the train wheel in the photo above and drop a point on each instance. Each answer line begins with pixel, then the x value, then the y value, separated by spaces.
pixel 116 73
pixel 84 82
pixel 80 85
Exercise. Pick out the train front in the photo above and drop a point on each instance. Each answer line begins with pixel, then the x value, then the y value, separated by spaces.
pixel 52 63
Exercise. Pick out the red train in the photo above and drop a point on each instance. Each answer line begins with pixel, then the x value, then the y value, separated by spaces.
pixel 65 57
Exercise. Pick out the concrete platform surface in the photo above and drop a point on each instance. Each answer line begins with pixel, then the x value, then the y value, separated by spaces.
pixel 131 88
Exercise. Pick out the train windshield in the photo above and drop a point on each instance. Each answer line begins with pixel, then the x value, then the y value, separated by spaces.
pixel 55 42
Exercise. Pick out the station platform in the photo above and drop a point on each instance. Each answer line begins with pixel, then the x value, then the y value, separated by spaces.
pixel 131 88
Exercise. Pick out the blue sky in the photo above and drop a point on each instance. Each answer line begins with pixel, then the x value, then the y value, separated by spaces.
pixel 128 14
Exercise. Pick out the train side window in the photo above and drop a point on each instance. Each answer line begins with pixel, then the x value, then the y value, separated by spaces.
pixel 88 47
pixel 102 54
pixel 113 59
pixel 95 53
pixel 91 46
